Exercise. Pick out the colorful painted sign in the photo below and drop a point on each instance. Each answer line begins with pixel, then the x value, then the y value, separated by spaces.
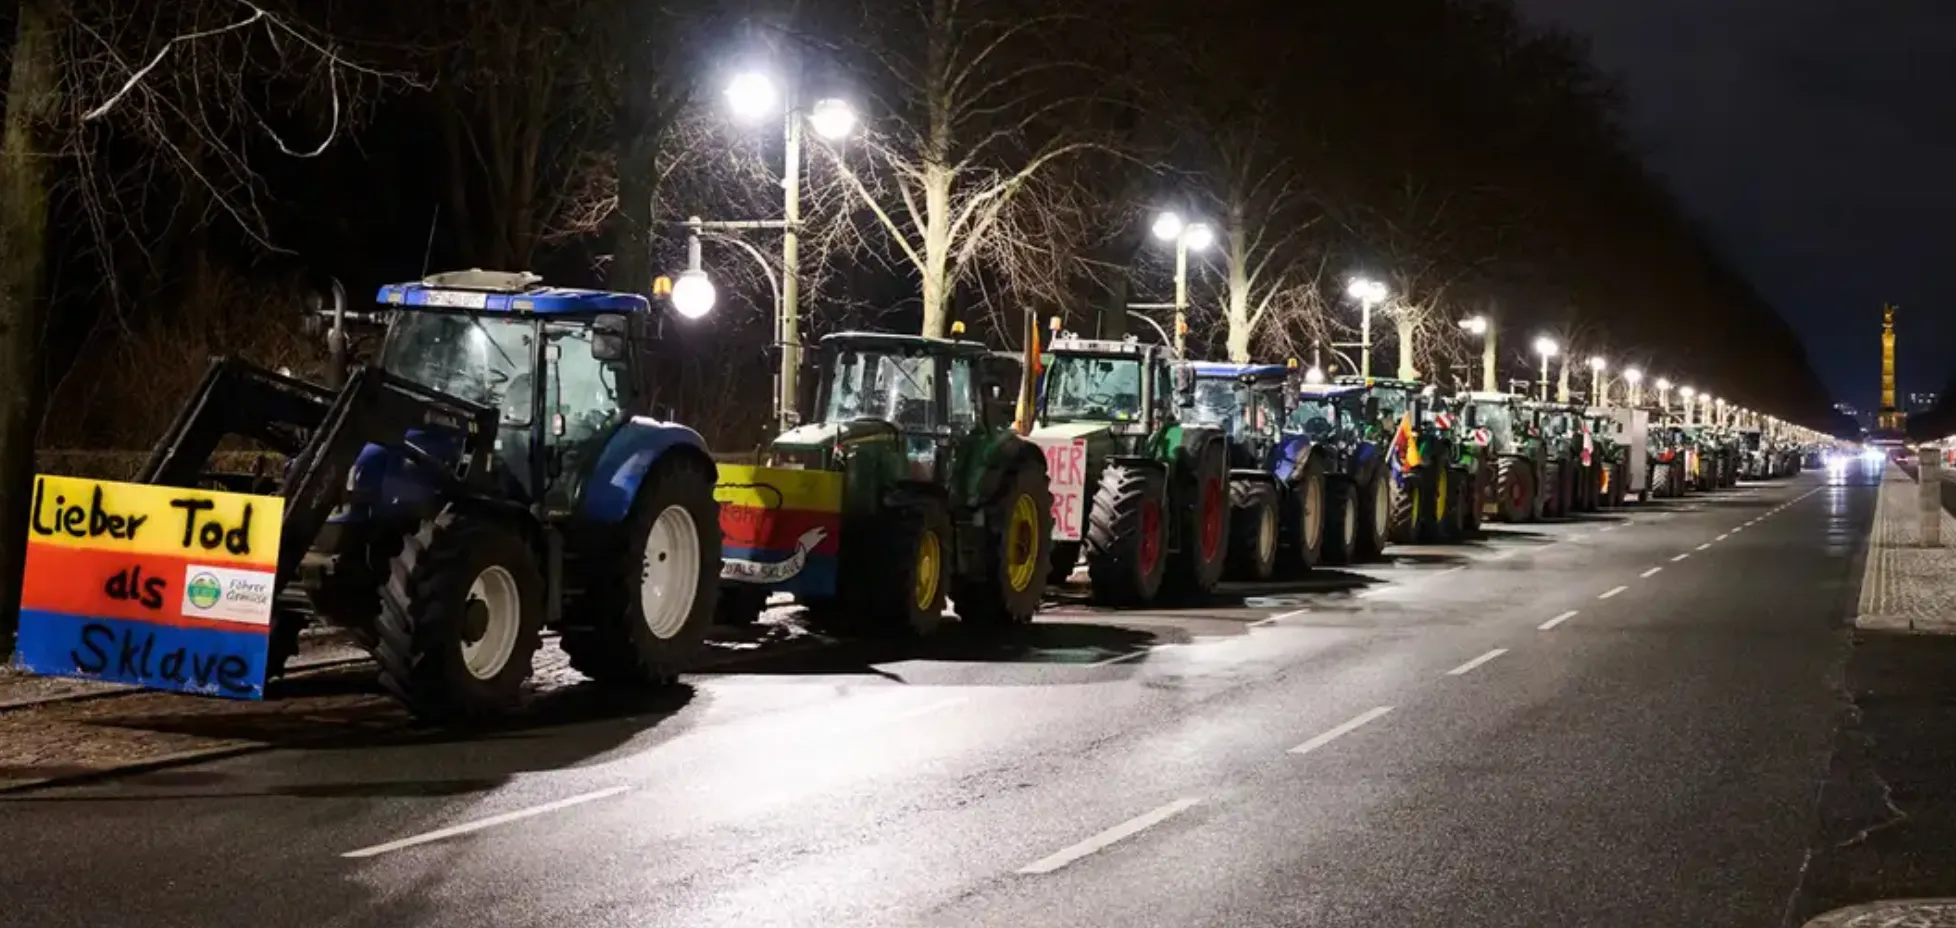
pixel 1066 474
pixel 160 587
pixel 780 527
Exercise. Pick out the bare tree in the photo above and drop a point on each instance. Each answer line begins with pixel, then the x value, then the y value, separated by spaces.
pixel 977 95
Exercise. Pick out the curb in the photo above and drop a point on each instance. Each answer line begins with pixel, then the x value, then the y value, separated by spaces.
pixel 178 759
pixel 1913 913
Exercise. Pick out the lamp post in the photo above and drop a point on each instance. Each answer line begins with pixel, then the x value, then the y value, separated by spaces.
pixel 1664 394
pixel 1635 378
pixel 1187 236
pixel 1484 327
pixel 1369 293
pixel 753 97
pixel 1545 346
pixel 1690 405
pixel 1596 368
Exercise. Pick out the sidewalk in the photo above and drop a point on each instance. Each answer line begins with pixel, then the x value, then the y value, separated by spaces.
pixel 1907 587
pixel 1886 846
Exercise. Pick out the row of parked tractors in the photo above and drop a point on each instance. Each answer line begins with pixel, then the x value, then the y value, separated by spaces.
pixel 495 470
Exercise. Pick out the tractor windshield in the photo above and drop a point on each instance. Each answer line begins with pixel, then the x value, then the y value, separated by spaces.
pixel 1497 418
pixel 1314 417
pixel 1215 403
pixel 891 387
pixel 1093 387
pixel 482 359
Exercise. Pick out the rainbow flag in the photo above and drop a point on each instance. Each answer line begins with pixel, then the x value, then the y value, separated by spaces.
pixel 780 527
pixel 160 587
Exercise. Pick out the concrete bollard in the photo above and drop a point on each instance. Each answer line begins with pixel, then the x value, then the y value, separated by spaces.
pixel 1929 495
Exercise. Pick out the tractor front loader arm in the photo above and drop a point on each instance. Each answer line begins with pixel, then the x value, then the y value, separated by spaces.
pixel 323 431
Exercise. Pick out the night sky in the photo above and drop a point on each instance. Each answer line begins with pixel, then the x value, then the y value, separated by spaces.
pixel 1816 139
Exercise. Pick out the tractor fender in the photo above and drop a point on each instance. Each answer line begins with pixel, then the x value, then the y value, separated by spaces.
pixel 629 454
pixel 1256 474
pixel 1196 442
pixel 1369 461
pixel 1005 458
pixel 383 484
pixel 1138 462
pixel 1292 454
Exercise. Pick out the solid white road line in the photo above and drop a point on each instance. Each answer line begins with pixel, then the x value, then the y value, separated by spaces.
pixel 1558 620
pixel 1704 546
pixel 490 822
pixel 1463 669
pixel 1100 842
pixel 1680 557
pixel 1360 721
pixel 1613 591
pixel 1123 658
pixel 1650 573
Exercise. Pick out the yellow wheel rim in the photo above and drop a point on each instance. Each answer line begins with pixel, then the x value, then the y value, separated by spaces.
pixel 930 556
pixel 1022 544
pixel 1606 480
pixel 1440 497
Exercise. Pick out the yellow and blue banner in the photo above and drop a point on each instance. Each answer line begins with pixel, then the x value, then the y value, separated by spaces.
pixel 160 587
pixel 780 527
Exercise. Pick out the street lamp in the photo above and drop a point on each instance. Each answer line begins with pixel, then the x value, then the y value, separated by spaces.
pixel 1187 236
pixel 1546 347
pixel 753 97
pixel 1690 405
pixel 1635 378
pixel 693 293
pixel 1368 293
pixel 1596 368
pixel 1664 394
pixel 1314 375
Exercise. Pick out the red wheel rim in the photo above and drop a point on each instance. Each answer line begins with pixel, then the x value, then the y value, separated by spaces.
pixel 1517 494
pixel 1212 519
pixel 1150 536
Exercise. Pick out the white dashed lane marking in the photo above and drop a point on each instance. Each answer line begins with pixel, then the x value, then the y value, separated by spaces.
pixel 1356 723
pixel 1558 620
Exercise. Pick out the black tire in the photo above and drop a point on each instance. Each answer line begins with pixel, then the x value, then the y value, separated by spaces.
pixel 1472 503
pixel 904 575
pixel 1127 535
pixel 1340 521
pixel 1255 525
pixel 623 631
pixel 1660 481
pixel 1374 504
pixel 1450 506
pixel 1555 502
pixel 1304 524
pixel 1619 490
pixel 1412 507
pixel 1066 556
pixel 1201 552
pixel 1514 482
pixel 429 614
pixel 1016 556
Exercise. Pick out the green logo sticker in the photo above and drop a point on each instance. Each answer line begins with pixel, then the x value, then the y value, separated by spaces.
pixel 204 591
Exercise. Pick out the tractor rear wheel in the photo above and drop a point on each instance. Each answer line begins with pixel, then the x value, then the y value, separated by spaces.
pixel 1450 506
pixel 1017 554
pixel 1127 535
pixel 1340 521
pixel 1474 490
pixel 1617 488
pixel 1373 502
pixel 1660 481
pixel 461 615
pixel 1412 506
pixel 1255 520
pixel 1515 488
pixel 646 622
pixel 1196 564
pixel 1556 501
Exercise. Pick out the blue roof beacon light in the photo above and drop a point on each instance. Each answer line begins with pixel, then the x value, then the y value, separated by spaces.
pixel 506 292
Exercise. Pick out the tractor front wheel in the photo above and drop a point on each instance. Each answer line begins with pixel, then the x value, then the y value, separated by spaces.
pixel 1127 535
pixel 1412 507
pixel 461 615
pixel 1374 505
pixel 647 621
pixel 1340 521
pixel 1305 523
pixel 1011 579
pixel 1196 565
pixel 912 551
pixel 1255 520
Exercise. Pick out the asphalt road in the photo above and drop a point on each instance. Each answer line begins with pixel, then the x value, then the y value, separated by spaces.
pixel 1621 721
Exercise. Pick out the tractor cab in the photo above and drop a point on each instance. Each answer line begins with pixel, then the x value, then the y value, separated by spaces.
pixel 1126 388
pixel 1325 412
pixel 1506 420
pixel 1246 402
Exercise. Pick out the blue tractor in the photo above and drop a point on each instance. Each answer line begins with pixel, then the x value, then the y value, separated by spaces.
pixel 494 471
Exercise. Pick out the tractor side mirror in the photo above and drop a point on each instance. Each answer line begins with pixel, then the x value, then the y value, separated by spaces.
pixel 608 338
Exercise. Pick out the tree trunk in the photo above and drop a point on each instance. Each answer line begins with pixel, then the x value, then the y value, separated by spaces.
pixel 32 94
pixel 1562 380
pixel 631 224
pixel 1238 310
pixel 937 250
pixel 1406 325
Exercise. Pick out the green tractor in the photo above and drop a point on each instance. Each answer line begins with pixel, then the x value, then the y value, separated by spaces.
pixel 1672 461
pixel 1341 423
pixel 1504 426
pixel 1141 495
pixel 1427 491
pixel 1609 471
pixel 933 495
pixel 1473 465
pixel 1560 425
